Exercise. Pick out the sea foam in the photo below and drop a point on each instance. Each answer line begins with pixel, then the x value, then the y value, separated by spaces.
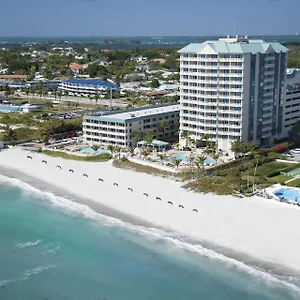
pixel 173 239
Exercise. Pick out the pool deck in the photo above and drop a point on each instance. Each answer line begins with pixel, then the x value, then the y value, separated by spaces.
pixel 272 189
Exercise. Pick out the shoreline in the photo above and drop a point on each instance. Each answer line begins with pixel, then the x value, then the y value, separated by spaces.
pixel 39 180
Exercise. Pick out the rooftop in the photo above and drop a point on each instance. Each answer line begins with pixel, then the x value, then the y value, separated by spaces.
pixel 233 46
pixel 90 82
pixel 293 79
pixel 138 112
pixel 76 66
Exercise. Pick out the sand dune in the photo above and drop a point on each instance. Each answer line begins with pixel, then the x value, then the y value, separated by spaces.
pixel 264 229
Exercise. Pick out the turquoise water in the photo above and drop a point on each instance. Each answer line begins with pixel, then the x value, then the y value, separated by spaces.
pixel 52 248
pixel 91 150
pixel 9 108
pixel 288 194
pixel 185 157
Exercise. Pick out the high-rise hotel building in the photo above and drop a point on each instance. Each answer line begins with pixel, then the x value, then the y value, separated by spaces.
pixel 233 88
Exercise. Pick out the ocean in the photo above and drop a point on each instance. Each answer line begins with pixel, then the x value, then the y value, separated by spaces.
pixel 54 248
pixel 126 43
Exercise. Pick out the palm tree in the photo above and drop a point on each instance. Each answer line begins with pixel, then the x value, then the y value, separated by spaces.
pixel 27 92
pixel 163 125
pixel 216 156
pixel 111 148
pixel 145 153
pixel 176 126
pixel 210 149
pixel 239 146
pixel 205 138
pixel 149 137
pixel 161 156
pixel 95 147
pixel 200 163
pixel 185 135
pixel 96 97
pixel 138 136
pixel 176 162
pixel 9 134
pixel 118 150
pixel 131 151
pixel 191 161
pixel 59 94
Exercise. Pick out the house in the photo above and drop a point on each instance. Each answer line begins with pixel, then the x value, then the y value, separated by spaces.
pixel 76 68
pixel 142 66
pixel 160 61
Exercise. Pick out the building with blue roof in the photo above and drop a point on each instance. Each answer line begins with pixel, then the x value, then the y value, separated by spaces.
pixel 88 86
pixel 233 88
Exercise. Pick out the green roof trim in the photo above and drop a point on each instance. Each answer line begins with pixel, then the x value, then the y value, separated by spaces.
pixel 223 47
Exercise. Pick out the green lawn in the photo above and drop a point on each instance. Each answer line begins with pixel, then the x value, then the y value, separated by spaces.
pixel 95 158
pixel 295 183
pixel 279 179
pixel 271 167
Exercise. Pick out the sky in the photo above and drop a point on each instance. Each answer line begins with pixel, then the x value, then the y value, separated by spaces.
pixel 148 17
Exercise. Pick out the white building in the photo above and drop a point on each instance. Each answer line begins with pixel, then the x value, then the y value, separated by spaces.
pixel 118 127
pixel 87 86
pixel 292 101
pixel 233 88
pixel 27 108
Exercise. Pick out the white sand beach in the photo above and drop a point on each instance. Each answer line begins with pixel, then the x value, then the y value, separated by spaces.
pixel 263 229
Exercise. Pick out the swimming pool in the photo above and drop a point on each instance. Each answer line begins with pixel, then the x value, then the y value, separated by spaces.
pixel 9 108
pixel 289 194
pixel 185 157
pixel 90 150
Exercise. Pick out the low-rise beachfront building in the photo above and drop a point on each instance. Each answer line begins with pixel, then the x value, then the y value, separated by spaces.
pixel 88 86
pixel 118 127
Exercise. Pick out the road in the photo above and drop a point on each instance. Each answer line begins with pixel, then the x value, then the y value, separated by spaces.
pixel 81 100
pixel 115 102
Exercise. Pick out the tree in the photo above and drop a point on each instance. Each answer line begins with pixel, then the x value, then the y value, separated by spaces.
pixel 96 97
pixel 191 159
pixel 239 147
pixel 131 151
pixel 145 153
pixel 96 70
pixel 149 136
pixel 200 163
pixel 294 132
pixel 111 148
pixel 9 134
pixel 176 126
pixel 95 147
pixel 27 92
pixel 205 138
pixel 161 157
pixel 163 125
pixel 176 162
pixel 154 83
pixel 118 150
pixel 211 149
pixel 138 136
